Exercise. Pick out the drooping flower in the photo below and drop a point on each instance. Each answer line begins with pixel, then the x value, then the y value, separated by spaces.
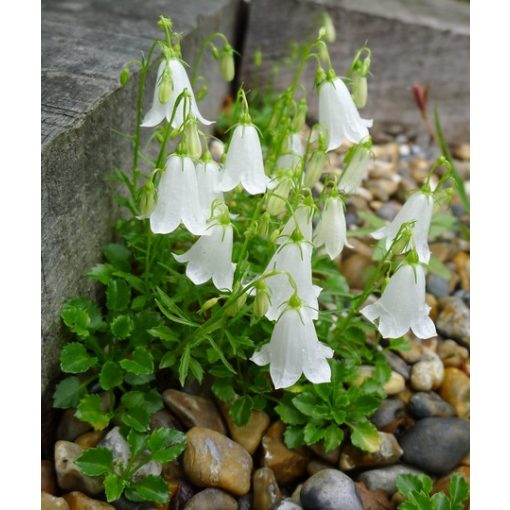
pixel 402 305
pixel 177 200
pixel 208 177
pixel 211 255
pixel 276 201
pixel 418 207
pixel 293 152
pixel 301 220
pixel 339 116
pixel 332 230
pixel 294 259
pixel 356 170
pixel 294 349
pixel 244 163
pixel 172 77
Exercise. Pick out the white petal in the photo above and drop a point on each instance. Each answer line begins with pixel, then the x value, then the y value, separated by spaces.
pixel 191 214
pixel 302 220
pixel 356 171
pixel 158 110
pixel 424 327
pixel 339 116
pixel 208 175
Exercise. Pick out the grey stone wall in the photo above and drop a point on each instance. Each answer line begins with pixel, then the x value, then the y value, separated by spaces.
pixel 424 41
pixel 85 44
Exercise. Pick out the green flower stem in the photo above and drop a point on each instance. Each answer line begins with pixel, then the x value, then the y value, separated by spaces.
pixel 200 55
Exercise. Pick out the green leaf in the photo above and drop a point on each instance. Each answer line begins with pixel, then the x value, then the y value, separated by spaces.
pixel 134 281
pixel 144 321
pixel 437 267
pixel 141 362
pixel 137 442
pixel 113 486
pixel 223 389
pixel 102 273
pixel 440 224
pixel 172 311
pixel 118 295
pixel 196 369
pixel 365 405
pixel 90 410
pixel 139 303
pixel 333 437
pixel 137 418
pixel 365 436
pixel 290 415
pixel 241 410
pixel 151 488
pixel 407 484
pixel 95 461
pixel 312 433
pixel 306 403
pixel 76 319
pixel 119 256
pixel 459 491
pixel 166 444
pixel 121 326
pixel 294 436
pixel 75 359
pixel 184 365
pixel 399 344
pixel 164 333
pixel 439 501
pixel 168 360
pixel 68 393
pixel 110 376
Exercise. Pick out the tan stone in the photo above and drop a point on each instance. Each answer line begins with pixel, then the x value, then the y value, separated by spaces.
pixel 428 373
pixel 212 499
pixel 79 501
pixel 90 439
pixel 194 411
pixel 287 464
pixel 389 452
pixel 455 390
pixel 249 435
pixel 50 502
pixel 462 264
pixel 452 354
pixel 69 476
pixel 373 499
pixel 432 302
pixel 213 460
pixel 331 457
pixel 355 269
pixel 266 493
pixel 394 385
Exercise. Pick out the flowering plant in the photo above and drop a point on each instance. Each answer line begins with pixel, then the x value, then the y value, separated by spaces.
pixel 225 273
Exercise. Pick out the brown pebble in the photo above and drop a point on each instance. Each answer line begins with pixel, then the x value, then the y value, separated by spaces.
pixel 266 493
pixel 211 499
pixel 432 302
pixel 287 464
pixel 355 269
pixel 69 427
pixel 314 466
pixel 79 501
pixel 194 411
pixel 376 499
pixel 462 264
pixel 443 484
pixel 50 502
pixel 331 457
pixel 213 460
pixel 455 390
pixel 90 439
pixel 48 480
pixel 452 354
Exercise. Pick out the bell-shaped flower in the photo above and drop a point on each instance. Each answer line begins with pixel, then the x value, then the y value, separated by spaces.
pixel 178 200
pixel 171 81
pixel 244 163
pixel 402 305
pixel 417 208
pixel 276 199
pixel 332 230
pixel 293 153
pixel 211 256
pixel 356 170
pixel 208 178
pixel 339 116
pixel 294 349
pixel 293 260
pixel 301 220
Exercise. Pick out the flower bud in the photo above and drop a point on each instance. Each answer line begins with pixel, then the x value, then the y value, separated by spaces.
pixel 277 198
pixel 215 52
pixel 300 118
pixel 227 63
pixel 329 28
pixel 165 23
pixel 191 139
pixel 359 90
pixel 124 76
pixel 263 226
pixel 147 199
pixel 209 304
pixel 262 301
pixel 314 168
pixel 166 86
pixel 236 306
pixel 202 91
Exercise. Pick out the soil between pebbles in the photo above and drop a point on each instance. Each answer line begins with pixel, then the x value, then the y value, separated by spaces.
pixel 424 422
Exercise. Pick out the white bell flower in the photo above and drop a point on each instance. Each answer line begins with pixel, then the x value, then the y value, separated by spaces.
pixel 339 116
pixel 418 207
pixel 177 200
pixel 332 229
pixel 402 305
pixel 208 178
pixel 293 153
pixel 294 259
pixel 174 70
pixel 355 171
pixel 244 163
pixel 294 349
pixel 301 220
pixel 211 255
